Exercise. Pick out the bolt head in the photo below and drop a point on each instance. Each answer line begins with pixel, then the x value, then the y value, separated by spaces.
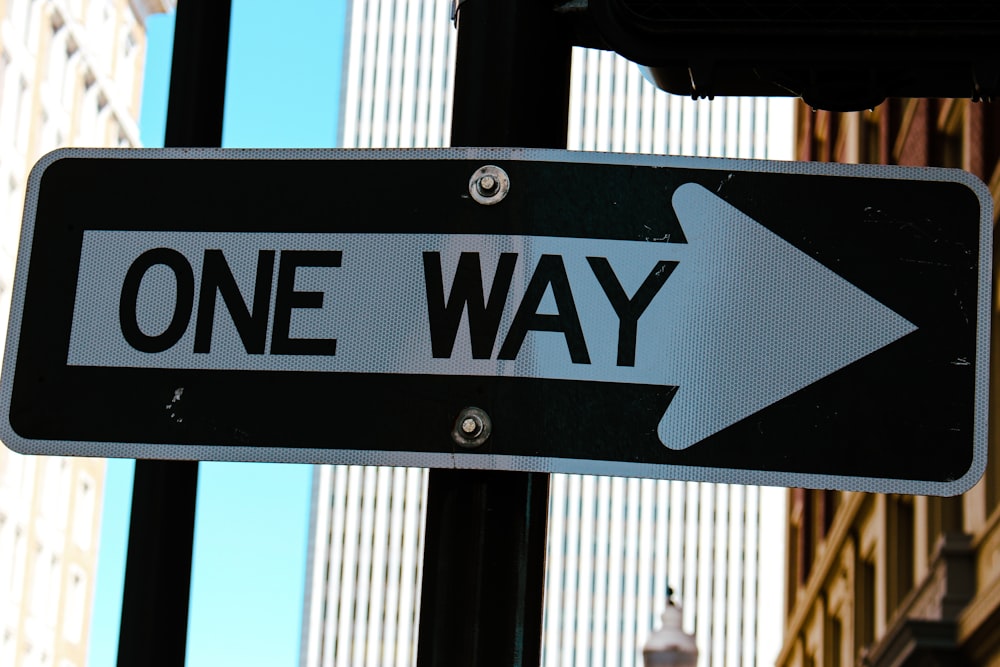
pixel 487 184
pixel 471 427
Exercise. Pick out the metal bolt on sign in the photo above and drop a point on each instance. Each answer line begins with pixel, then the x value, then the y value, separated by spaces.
pixel 472 427
pixel 489 185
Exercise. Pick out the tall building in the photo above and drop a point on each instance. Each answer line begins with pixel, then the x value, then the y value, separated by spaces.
pixel 614 545
pixel 889 579
pixel 70 75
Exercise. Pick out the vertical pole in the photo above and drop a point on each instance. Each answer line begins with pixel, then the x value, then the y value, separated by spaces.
pixel 484 553
pixel 161 530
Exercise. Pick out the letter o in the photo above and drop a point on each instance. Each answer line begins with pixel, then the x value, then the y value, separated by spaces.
pixel 127 305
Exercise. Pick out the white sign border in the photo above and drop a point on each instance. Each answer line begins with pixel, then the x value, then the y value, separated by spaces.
pixel 497 462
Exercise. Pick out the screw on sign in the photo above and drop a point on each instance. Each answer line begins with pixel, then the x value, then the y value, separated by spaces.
pixel 489 185
pixel 472 428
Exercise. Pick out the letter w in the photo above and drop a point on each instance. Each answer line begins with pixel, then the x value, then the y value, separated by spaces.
pixel 466 290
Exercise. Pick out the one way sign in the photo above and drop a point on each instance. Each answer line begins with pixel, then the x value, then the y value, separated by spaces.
pixel 715 320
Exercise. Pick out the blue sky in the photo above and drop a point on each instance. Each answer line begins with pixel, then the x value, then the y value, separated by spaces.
pixel 251 528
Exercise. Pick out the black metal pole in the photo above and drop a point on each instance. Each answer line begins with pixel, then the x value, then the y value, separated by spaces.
pixel 161 530
pixel 484 553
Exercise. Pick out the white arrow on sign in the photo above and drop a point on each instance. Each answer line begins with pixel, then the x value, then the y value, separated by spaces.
pixel 743 320
pixel 774 320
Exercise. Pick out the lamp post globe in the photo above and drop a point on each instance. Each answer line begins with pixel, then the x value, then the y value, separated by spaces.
pixel 670 645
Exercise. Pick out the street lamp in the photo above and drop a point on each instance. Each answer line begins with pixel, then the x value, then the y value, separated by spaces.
pixel 670 645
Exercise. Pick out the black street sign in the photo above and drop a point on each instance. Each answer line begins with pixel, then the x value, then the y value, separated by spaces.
pixel 783 323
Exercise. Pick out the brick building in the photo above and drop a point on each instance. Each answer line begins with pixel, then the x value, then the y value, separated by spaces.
pixel 898 580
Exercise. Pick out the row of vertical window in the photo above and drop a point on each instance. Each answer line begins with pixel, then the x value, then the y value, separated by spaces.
pixel 100 16
pixel 49 574
pixel 18 473
pixel 70 88
pixel 57 592
pixel 31 656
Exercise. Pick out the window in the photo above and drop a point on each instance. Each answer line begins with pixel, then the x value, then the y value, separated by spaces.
pixel 13 463
pixel 944 515
pixel 76 602
pixel 835 643
pixel 40 132
pixel 808 535
pixel 56 491
pixel 31 656
pixel 798 550
pixel 83 511
pixel 89 111
pixel 49 134
pixel 54 591
pixel 900 532
pixel 948 135
pixel 865 605
pixel 71 81
pixel 870 138
pixel 30 38
pixel 22 105
pixel 993 455
pixel 8 236
pixel 106 32
pixel 15 582
pixel 126 73
pixel 4 65
pixel 6 544
pixel 831 502
pixel 39 581
pixel 8 646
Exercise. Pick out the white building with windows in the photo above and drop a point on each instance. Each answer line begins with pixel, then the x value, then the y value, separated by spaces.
pixel 614 544
pixel 70 75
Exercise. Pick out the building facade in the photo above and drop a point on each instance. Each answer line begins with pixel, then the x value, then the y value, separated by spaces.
pixel 70 75
pixel 898 580
pixel 614 545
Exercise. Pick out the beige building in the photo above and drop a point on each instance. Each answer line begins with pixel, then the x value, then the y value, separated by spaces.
pixel 70 75
pixel 897 580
